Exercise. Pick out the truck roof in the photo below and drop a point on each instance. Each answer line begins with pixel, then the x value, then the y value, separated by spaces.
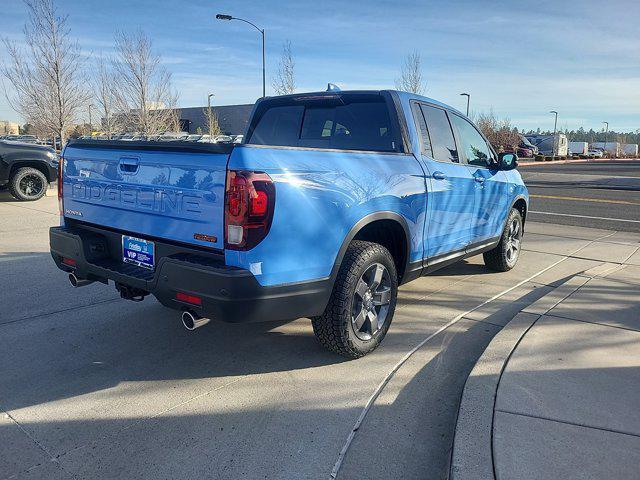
pixel 403 96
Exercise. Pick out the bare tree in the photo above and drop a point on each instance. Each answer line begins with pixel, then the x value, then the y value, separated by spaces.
pixel 498 131
pixel 46 76
pixel 173 124
pixel 411 75
pixel 143 93
pixel 213 127
pixel 284 82
pixel 104 91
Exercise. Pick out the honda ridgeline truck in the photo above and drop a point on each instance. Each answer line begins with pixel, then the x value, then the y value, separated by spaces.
pixel 332 201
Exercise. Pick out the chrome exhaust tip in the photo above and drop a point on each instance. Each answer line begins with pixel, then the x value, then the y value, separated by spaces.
pixel 78 282
pixel 192 320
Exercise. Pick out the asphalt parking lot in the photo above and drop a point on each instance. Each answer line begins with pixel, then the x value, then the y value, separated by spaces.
pixel 96 387
pixel 604 194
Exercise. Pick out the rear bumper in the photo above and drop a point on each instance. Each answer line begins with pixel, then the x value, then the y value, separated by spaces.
pixel 229 294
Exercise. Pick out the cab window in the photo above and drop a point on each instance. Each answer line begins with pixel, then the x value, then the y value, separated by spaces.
pixel 473 145
pixel 443 143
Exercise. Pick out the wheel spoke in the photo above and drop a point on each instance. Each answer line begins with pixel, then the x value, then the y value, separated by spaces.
pixel 358 321
pixel 382 297
pixel 515 243
pixel 377 276
pixel 373 321
pixel 361 288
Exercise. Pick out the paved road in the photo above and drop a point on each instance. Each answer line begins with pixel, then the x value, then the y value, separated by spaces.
pixel 596 194
pixel 95 387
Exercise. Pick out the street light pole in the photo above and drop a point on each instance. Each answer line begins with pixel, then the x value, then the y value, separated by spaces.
pixel 90 122
pixel 468 99
pixel 221 16
pixel 606 136
pixel 210 119
pixel 555 128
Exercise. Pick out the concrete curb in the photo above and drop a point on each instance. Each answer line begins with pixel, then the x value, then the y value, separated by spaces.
pixel 582 160
pixel 472 455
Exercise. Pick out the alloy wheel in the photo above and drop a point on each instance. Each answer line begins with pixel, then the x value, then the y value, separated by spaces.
pixel 31 185
pixel 514 237
pixel 371 301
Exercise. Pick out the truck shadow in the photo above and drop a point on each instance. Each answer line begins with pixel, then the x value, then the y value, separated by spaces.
pixel 60 343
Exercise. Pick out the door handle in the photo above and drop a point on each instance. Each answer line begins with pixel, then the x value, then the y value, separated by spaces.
pixel 479 179
pixel 439 175
pixel 128 165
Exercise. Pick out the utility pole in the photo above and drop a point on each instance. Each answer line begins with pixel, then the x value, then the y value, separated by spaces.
pixel 606 136
pixel 210 119
pixel 555 128
pixel 90 122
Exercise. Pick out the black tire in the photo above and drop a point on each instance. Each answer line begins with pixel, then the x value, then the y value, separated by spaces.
pixel 337 328
pixel 28 184
pixel 505 256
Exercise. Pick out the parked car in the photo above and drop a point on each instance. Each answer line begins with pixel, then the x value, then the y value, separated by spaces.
pixel 237 138
pixel 173 136
pixel 321 213
pixel 222 139
pixel 193 138
pixel 595 152
pixel 527 145
pixel 27 169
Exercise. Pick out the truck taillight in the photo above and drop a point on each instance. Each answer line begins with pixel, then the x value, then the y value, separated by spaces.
pixel 60 199
pixel 249 203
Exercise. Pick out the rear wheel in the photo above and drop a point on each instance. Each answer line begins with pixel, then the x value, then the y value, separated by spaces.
pixel 505 256
pixel 28 184
pixel 362 303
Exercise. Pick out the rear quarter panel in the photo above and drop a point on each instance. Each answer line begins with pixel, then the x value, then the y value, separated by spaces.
pixel 320 196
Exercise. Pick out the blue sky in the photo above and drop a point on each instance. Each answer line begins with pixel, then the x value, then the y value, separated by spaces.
pixel 521 58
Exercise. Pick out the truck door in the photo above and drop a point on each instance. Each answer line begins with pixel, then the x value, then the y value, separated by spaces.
pixel 490 187
pixel 450 185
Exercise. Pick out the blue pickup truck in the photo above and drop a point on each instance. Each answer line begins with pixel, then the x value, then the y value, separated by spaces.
pixel 333 200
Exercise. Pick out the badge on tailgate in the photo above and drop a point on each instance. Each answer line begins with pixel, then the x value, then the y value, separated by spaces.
pixel 138 252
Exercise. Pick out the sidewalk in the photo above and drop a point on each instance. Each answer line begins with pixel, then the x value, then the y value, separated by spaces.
pixel 556 394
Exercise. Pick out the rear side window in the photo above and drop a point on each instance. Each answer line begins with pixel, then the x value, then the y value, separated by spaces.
pixel 422 130
pixel 278 126
pixel 443 143
pixel 345 123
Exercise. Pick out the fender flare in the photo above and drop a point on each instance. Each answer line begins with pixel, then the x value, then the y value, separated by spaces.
pixel 363 222
pixel 526 206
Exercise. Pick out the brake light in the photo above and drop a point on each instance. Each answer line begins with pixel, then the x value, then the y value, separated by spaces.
pixel 249 204
pixel 60 199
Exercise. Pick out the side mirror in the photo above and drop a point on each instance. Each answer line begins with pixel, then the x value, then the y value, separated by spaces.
pixel 507 161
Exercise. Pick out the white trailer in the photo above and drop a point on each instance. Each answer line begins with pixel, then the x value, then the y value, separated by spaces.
pixel 550 145
pixel 578 148
pixel 612 148
pixel 630 149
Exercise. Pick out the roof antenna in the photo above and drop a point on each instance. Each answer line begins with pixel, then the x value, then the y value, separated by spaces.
pixel 332 87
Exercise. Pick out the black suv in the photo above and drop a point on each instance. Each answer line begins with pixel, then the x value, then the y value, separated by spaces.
pixel 27 169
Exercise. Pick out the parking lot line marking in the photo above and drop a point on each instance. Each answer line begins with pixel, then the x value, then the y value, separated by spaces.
pixel 403 360
pixel 585 216
pixel 580 199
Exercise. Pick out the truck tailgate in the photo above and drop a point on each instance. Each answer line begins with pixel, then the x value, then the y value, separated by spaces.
pixel 172 191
